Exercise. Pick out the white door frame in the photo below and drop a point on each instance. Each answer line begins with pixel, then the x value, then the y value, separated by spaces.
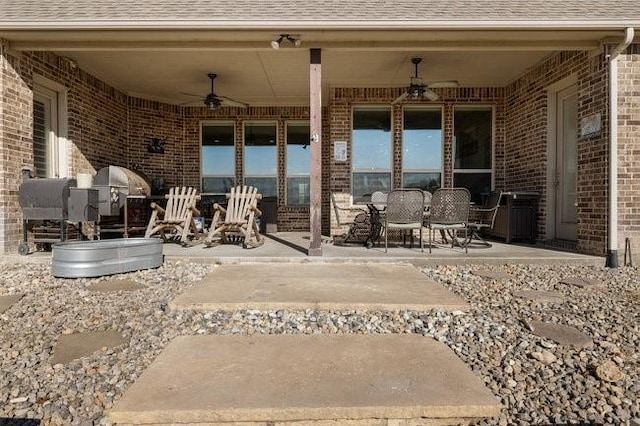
pixel 552 114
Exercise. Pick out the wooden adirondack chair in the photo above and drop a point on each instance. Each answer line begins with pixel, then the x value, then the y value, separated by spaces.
pixel 238 218
pixel 176 220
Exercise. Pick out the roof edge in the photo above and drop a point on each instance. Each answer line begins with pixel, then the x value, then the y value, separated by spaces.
pixel 584 24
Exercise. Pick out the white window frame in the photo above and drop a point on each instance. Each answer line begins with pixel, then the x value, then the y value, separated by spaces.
pixel 244 157
pixel 286 160
pixel 372 107
pixel 474 107
pixel 202 175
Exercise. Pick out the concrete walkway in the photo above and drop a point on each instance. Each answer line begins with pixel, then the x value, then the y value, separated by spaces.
pixel 305 379
pixel 355 380
pixel 368 286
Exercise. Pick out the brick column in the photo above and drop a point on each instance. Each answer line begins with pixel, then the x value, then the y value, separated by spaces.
pixel 15 144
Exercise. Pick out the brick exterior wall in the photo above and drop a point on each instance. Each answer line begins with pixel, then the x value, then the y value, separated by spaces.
pixel 15 136
pixel 179 127
pixel 97 131
pixel 106 127
pixel 526 156
pixel 629 149
pixel 341 105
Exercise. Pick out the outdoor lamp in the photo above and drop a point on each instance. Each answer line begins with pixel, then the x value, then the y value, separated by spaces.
pixel 275 44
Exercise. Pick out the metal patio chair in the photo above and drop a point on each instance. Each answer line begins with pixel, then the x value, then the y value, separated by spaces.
pixel 405 211
pixel 356 218
pixel 484 217
pixel 449 212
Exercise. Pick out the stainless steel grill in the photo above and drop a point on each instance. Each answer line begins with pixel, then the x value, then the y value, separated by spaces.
pixel 114 185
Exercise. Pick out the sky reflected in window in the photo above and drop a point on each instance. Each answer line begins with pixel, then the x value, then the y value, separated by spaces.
pixel 218 160
pixel 422 149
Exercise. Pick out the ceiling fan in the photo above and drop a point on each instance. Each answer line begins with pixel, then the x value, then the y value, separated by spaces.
pixel 213 101
pixel 417 89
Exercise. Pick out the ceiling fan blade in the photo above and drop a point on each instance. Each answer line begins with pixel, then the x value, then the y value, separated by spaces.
pixel 400 98
pixel 430 94
pixel 443 84
pixel 232 102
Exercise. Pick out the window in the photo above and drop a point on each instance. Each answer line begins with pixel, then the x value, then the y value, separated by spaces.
pixel 371 146
pixel 298 164
pixel 473 150
pixel 218 162
pixel 261 158
pixel 422 149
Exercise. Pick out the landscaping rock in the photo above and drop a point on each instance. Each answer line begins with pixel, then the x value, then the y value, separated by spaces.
pixel 608 371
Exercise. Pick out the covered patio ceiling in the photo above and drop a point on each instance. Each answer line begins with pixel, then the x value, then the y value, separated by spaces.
pixel 170 64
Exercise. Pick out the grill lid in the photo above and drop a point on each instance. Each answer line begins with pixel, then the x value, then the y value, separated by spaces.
pixel 127 181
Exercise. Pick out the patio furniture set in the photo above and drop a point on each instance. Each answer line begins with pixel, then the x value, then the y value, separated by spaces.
pixel 237 221
pixel 448 211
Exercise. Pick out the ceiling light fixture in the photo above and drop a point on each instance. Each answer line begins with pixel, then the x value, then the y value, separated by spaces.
pixel 275 44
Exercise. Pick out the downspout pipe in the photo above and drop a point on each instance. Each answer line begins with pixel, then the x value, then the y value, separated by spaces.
pixel 612 248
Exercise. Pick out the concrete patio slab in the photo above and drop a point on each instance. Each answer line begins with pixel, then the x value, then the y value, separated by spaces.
pixel 540 296
pixel 112 285
pixel 581 282
pixel 291 247
pixel 562 334
pixel 78 345
pixel 287 378
pixel 7 301
pixel 316 286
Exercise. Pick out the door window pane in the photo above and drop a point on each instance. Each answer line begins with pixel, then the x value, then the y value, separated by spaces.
pixel 40 139
pixel 46 149
pixel 217 157
pixel 298 163
pixel 261 157
pixel 371 150
pixel 422 149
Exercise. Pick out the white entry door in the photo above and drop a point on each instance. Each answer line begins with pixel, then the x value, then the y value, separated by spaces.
pixel 46 150
pixel 566 211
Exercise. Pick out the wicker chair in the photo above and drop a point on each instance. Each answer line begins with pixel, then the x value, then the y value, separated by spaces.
pixel 405 210
pixel 449 212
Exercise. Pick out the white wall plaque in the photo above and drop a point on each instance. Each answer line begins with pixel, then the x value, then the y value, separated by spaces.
pixel 340 151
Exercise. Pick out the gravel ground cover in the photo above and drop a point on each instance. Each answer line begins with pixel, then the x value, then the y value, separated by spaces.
pixel 537 380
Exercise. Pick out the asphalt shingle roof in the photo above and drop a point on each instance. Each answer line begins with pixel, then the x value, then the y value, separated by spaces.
pixel 302 11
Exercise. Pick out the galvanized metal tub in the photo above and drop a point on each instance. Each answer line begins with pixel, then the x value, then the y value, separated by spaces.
pixel 81 259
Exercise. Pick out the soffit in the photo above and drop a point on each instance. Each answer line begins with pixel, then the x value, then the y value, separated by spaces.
pixel 164 65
